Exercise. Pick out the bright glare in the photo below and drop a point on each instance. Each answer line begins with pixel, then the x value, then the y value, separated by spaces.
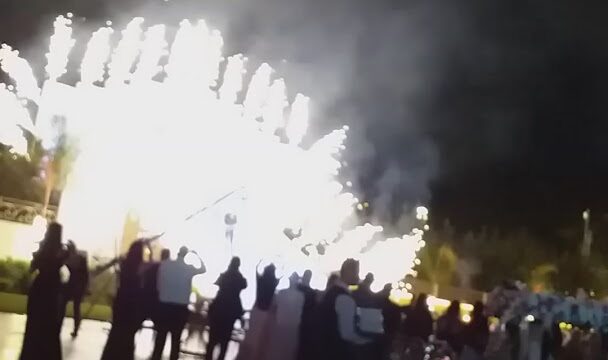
pixel 163 142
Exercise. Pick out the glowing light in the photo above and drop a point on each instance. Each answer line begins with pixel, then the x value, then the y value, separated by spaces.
pixel 422 213
pixel 466 318
pixel 466 307
pixel 434 302
pixel 141 128
pixel 529 318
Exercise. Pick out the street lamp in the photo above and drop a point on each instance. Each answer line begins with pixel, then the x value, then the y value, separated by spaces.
pixel 587 235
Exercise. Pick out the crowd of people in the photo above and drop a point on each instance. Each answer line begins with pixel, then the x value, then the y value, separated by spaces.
pixel 295 323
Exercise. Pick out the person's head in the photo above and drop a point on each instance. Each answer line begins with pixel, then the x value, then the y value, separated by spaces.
pixel 421 302
pixel 349 272
pixel 294 280
pixel 71 247
pixel 306 277
pixel 331 280
pixel 269 271
pixel 478 310
pixel 52 238
pixel 165 254
pixel 386 291
pixel 367 282
pixel 454 308
pixel 183 251
pixel 235 264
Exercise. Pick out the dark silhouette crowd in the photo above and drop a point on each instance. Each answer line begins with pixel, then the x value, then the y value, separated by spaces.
pixel 295 323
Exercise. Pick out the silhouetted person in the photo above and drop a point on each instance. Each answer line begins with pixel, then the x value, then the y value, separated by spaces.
pixel 364 297
pixel 574 348
pixel 338 338
pixel 43 325
pixel 150 286
pixel 255 344
pixel 450 328
pixel 476 334
pixel 288 304
pixel 225 309
pixel 391 314
pixel 128 309
pixel 307 346
pixel 419 322
pixel 513 334
pixel 552 342
pixel 77 285
pixel 174 289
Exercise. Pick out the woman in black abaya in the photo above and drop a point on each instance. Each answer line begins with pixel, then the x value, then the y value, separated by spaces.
pixel 43 326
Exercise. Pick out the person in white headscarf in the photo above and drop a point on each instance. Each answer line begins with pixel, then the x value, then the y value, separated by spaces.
pixel 288 307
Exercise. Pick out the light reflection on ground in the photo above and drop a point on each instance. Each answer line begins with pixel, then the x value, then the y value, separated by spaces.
pixel 89 343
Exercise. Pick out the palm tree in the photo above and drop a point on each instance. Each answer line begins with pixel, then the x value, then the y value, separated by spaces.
pixel 437 265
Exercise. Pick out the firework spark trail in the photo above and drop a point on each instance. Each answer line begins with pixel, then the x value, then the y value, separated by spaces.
pixel 60 46
pixel 20 72
pixel 298 120
pixel 92 67
pixel 125 53
pixel 233 79
pixel 12 109
pixel 163 147
pixel 153 48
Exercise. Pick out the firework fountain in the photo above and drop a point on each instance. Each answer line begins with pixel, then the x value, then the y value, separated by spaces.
pixel 158 142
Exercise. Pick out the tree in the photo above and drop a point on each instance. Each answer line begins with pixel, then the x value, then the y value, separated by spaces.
pixel 20 176
pixel 437 265
pixel 541 277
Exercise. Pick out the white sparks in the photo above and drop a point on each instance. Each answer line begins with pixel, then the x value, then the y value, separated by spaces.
pixel 153 48
pixel 170 146
pixel 298 120
pixel 59 49
pixel 20 71
pixel 233 79
pixel 92 67
pixel 125 53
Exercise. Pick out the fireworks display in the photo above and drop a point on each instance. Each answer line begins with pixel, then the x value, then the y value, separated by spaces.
pixel 159 142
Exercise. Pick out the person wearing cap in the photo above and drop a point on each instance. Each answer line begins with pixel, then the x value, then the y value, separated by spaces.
pixel 174 289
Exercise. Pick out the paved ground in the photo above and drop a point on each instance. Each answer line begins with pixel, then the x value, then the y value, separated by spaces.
pixel 88 345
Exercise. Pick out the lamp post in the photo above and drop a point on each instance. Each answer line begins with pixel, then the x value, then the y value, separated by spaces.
pixel 587 235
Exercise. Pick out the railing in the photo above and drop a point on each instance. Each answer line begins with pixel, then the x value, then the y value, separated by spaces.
pixel 24 211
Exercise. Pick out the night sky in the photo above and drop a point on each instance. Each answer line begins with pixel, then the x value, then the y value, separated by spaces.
pixel 494 113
